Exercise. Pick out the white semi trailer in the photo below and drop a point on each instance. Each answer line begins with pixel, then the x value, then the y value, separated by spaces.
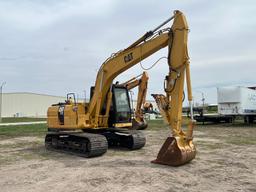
pixel 237 101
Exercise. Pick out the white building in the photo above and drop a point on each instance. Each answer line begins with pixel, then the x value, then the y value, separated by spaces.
pixel 27 104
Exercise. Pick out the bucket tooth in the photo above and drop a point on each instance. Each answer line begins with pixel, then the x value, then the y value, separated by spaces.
pixel 174 154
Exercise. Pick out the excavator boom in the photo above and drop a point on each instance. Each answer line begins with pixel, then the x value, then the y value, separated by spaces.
pixel 117 64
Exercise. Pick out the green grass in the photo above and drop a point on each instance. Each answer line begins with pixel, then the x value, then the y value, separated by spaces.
pixel 156 124
pixel 160 124
pixel 23 130
pixel 21 119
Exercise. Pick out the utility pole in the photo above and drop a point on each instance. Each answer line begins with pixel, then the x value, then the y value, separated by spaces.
pixel 1 96
pixel 203 99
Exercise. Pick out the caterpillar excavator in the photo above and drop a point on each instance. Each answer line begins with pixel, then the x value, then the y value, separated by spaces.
pixel 89 128
pixel 138 121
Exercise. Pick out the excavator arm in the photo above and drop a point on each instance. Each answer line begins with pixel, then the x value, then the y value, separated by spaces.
pixel 178 148
pixel 139 122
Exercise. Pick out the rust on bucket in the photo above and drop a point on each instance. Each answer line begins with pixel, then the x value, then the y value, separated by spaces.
pixel 176 152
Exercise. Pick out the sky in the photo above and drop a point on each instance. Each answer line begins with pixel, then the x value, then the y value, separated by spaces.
pixel 57 46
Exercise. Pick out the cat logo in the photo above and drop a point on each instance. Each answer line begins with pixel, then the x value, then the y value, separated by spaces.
pixel 128 57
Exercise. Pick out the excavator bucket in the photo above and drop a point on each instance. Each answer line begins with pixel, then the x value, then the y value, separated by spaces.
pixel 139 125
pixel 179 149
pixel 175 152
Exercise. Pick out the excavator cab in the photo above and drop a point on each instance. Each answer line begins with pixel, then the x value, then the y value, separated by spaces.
pixel 120 110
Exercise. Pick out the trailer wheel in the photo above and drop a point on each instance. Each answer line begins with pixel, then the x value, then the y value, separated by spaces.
pixel 251 118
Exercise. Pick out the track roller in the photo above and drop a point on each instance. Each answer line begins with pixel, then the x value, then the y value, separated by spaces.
pixel 131 139
pixel 82 144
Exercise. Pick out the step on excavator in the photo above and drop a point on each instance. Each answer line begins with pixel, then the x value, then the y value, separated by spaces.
pixel 89 128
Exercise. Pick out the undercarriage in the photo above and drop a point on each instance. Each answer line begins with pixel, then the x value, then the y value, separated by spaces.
pixel 93 143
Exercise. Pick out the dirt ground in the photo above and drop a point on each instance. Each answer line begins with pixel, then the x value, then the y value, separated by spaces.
pixel 226 161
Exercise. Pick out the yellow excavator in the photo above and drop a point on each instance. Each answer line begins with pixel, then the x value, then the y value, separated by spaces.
pixel 138 121
pixel 106 121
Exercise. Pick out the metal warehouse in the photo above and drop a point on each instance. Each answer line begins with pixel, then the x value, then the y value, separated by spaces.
pixel 27 104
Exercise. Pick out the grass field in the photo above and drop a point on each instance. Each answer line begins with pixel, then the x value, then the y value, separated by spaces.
pixel 41 129
pixel 22 130
pixel 153 125
pixel 21 119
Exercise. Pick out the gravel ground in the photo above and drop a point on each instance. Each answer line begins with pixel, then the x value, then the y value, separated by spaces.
pixel 225 161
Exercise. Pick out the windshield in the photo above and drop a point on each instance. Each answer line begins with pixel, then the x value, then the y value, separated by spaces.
pixel 123 111
pixel 122 102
